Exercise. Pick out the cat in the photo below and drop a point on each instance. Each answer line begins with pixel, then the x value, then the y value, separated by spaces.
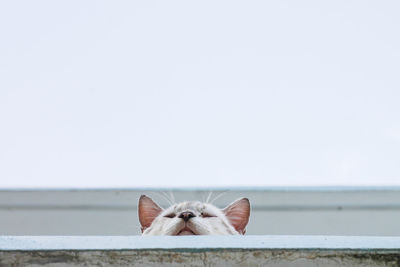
pixel 193 218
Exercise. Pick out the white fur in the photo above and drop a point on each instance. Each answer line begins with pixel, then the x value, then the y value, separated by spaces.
pixel 216 224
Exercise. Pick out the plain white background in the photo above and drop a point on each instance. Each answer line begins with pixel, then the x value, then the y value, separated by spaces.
pixel 199 93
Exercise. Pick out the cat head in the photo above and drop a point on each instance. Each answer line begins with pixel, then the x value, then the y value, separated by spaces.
pixel 193 218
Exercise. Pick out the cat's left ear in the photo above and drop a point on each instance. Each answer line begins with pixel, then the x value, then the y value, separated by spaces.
pixel 238 214
pixel 148 211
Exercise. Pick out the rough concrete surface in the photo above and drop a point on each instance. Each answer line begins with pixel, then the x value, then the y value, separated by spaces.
pixel 68 251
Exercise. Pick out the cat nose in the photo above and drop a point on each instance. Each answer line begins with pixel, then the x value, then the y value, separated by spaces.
pixel 186 215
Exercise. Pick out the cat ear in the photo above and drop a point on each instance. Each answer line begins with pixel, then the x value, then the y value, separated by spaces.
pixel 148 211
pixel 238 214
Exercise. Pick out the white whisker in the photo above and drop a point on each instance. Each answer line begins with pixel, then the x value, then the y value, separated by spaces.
pixel 218 196
pixel 209 196
pixel 172 197
pixel 165 197
pixel 171 202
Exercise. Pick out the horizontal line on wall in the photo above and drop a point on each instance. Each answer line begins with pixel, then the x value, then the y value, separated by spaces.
pixel 254 208
pixel 201 243
pixel 394 188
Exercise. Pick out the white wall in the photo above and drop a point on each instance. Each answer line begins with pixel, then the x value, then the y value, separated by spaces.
pixel 177 93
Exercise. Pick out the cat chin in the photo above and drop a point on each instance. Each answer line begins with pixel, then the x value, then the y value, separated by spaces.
pixel 186 231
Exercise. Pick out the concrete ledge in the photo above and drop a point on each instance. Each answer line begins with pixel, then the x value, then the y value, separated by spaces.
pixel 199 251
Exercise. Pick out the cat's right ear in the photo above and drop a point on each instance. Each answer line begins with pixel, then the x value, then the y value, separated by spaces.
pixel 148 211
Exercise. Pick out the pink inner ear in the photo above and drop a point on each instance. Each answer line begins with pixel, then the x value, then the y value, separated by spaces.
pixel 238 214
pixel 148 211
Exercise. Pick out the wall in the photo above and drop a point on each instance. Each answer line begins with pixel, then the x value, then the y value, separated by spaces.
pixel 275 211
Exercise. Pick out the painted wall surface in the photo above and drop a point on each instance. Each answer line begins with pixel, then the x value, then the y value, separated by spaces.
pixel 186 93
pixel 307 211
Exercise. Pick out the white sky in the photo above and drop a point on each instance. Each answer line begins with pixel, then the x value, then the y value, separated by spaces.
pixel 199 93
